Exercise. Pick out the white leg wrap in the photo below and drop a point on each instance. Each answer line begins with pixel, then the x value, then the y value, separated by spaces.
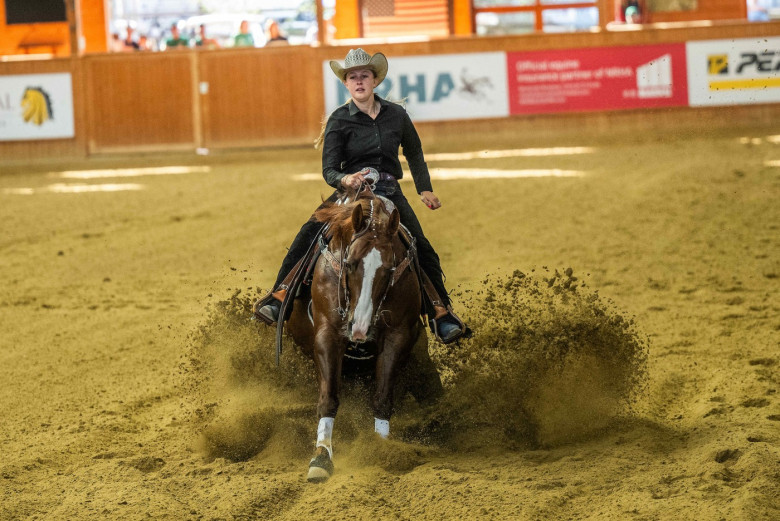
pixel 382 427
pixel 325 434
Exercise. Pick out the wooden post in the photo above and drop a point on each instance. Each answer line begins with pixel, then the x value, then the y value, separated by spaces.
pixel 321 28
pixel 197 101
pixel 73 12
pixel 606 12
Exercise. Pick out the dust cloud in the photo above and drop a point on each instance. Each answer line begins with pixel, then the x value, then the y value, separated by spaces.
pixel 550 362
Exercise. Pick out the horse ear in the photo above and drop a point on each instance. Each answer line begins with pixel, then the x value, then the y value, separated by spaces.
pixel 395 221
pixel 357 217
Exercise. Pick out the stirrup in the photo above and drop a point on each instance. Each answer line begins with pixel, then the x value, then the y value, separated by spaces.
pixel 267 311
pixel 256 310
pixel 267 299
pixel 465 331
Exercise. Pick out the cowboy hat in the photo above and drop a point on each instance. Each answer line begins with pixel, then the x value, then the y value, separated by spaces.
pixel 360 59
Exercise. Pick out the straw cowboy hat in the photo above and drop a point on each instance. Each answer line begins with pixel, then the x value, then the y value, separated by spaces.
pixel 360 59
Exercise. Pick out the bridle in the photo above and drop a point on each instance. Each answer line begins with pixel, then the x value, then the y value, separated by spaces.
pixel 338 261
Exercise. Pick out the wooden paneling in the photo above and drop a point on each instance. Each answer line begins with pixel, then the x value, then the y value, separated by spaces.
pixel 140 101
pixel 274 97
pixel 259 96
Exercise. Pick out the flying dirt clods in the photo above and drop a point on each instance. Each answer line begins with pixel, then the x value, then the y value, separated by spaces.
pixel 549 362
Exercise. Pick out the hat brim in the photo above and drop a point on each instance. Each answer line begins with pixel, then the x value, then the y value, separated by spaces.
pixel 377 63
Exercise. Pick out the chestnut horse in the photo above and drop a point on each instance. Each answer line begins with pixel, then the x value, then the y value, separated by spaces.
pixel 364 294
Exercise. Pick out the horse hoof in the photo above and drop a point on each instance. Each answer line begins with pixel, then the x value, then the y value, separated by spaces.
pixel 320 467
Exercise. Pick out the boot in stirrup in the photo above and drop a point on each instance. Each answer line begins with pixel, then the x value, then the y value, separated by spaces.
pixel 267 309
pixel 447 327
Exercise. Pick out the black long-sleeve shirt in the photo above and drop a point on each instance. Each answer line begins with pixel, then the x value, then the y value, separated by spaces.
pixel 353 141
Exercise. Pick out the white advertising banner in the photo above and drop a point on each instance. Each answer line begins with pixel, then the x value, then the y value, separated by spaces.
pixel 36 106
pixel 438 87
pixel 733 72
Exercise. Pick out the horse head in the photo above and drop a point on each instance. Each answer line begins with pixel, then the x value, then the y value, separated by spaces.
pixel 369 264
pixel 37 106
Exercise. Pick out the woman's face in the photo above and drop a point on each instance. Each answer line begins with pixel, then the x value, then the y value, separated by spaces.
pixel 360 84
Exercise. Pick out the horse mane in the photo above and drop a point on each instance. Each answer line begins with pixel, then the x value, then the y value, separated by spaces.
pixel 339 216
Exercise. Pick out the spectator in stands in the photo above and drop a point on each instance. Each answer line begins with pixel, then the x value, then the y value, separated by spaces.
pixel 638 12
pixel 116 44
pixel 273 34
pixel 204 42
pixel 632 15
pixel 176 41
pixel 129 43
pixel 244 37
pixel 758 10
pixel 143 43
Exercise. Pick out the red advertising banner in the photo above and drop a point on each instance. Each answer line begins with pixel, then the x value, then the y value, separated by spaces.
pixel 601 78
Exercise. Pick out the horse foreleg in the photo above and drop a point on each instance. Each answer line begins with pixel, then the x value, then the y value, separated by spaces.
pixel 389 362
pixel 328 354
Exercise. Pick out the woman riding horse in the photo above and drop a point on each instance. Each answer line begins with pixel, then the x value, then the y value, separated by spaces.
pixel 366 133
pixel 364 290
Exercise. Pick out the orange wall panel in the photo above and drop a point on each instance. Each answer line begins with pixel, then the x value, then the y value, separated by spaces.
pixel 461 17
pixel 93 25
pixel 346 19
pixel 54 37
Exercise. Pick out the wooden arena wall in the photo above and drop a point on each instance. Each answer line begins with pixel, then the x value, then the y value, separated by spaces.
pixel 129 103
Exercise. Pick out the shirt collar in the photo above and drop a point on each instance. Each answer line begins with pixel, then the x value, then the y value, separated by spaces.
pixel 354 110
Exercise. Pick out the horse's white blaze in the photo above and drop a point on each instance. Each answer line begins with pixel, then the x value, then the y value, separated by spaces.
pixel 365 305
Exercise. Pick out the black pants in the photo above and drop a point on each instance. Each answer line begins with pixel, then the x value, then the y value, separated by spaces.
pixel 429 260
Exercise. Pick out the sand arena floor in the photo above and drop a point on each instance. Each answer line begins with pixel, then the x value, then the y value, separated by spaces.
pixel 134 387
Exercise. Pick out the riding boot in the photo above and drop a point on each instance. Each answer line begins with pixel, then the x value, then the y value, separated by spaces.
pixel 269 312
pixel 446 326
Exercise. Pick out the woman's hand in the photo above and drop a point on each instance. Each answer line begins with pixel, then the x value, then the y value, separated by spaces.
pixel 430 200
pixel 353 180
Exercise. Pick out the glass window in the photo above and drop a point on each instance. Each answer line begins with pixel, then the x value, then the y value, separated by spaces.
pixel 479 4
pixel 505 23
pixel 570 20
